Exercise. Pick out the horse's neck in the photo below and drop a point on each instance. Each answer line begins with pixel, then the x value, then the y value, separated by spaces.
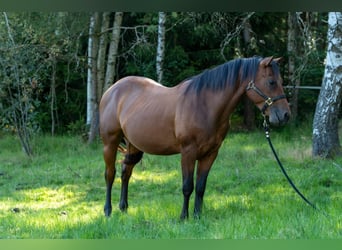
pixel 228 99
pixel 218 108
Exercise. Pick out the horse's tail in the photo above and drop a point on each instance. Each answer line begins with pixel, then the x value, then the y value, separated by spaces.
pixel 122 146
pixel 129 158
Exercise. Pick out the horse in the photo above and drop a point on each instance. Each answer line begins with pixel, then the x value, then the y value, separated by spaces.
pixel 191 118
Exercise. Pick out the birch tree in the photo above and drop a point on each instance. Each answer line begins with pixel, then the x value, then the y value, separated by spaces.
pixel 92 102
pixel 113 50
pixel 160 46
pixel 92 66
pixel 326 141
pixel 100 74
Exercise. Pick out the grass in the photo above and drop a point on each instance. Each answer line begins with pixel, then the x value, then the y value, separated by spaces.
pixel 59 193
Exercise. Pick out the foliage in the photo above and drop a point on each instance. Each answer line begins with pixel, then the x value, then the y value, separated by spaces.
pixel 61 194
pixel 195 41
pixel 22 66
pixel 31 43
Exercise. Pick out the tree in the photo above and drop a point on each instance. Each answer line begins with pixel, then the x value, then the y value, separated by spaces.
pixel 161 46
pixel 92 83
pixel 99 76
pixel 292 50
pixel 45 54
pixel 326 141
pixel 101 59
pixel 251 49
pixel 113 50
pixel 93 41
pixel 22 65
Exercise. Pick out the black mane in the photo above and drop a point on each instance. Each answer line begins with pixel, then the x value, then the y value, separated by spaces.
pixel 226 74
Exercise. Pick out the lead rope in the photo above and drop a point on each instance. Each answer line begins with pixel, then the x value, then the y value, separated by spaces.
pixel 267 134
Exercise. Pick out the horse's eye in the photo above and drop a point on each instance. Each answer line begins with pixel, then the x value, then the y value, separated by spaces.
pixel 272 82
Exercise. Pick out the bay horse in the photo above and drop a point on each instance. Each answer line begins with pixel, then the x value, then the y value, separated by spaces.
pixel 191 118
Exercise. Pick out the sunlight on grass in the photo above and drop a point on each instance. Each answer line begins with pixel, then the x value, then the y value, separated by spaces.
pixel 154 177
pixel 217 202
pixel 40 198
pixel 249 148
pixel 60 193
pixel 50 198
pixel 277 190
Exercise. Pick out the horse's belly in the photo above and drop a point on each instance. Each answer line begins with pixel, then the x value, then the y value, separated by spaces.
pixel 154 143
pixel 153 136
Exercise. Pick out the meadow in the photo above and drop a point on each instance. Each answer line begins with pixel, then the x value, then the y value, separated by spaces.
pixel 59 193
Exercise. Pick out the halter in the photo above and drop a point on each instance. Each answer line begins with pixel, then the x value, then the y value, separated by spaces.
pixel 268 100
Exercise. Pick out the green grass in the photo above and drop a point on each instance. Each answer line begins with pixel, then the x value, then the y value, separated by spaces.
pixel 59 193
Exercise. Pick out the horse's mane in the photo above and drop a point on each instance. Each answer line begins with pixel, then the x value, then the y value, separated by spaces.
pixel 226 74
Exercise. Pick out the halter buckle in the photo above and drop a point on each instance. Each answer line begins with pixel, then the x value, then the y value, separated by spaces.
pixel 250 85
pixel 269 101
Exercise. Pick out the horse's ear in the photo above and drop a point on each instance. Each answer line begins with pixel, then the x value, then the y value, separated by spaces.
pixel 278 60
pixel 266 61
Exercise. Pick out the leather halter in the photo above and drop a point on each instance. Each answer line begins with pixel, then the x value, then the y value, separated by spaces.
pixel 268 100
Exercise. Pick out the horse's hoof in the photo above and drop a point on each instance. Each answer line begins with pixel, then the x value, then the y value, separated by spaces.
pixel 197 216
pixel 184 216
pixel 123 206
pixel 107 211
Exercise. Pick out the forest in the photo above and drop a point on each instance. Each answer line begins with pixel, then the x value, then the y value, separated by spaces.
pixel 56 65
pixel 54 69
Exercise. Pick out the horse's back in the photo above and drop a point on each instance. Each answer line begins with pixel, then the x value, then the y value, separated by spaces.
pixel 129 84
pixel 144 111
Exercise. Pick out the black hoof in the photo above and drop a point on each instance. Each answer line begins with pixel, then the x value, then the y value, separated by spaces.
pixel 107 211
pixel 184 216
pixel 123 206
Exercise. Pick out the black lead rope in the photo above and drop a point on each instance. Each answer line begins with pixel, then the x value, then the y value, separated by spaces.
pixel 267 133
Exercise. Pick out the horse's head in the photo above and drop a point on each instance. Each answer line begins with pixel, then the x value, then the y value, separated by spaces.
pixel 266 91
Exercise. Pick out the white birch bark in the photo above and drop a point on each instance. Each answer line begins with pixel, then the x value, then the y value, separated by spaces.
pixel 89 72
pixel 93 75
pixel 326 141
pixel 161 46
pixel 113 50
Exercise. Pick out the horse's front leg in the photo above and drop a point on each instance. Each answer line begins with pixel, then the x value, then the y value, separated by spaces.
pixel 188 166
pixel 203 169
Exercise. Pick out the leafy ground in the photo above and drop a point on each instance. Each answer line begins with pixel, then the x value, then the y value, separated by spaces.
pixel 59 193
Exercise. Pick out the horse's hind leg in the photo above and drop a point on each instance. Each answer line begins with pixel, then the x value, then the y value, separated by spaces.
pixel 109 155
pixel 132 157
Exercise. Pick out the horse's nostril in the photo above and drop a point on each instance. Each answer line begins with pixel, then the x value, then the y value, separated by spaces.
pixel 286 117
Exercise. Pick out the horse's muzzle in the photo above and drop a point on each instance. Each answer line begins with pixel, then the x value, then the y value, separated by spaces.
pixel 279 117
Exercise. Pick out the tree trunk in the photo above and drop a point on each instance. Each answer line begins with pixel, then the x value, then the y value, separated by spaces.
pixel 292 48
pixel 326 141
pixel 113 50
pixel 92 101
pixel 161 46
pixel 249 110
pixel 101 58
pixel 94 19
pixel 53 104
